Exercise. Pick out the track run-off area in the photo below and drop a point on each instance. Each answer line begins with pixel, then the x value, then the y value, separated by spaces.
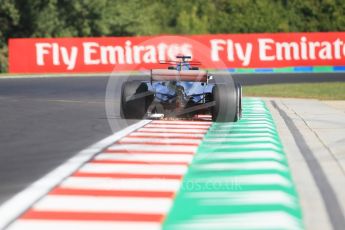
pixel 169 175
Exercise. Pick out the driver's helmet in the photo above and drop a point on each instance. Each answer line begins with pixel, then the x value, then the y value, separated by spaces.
pixel 183 66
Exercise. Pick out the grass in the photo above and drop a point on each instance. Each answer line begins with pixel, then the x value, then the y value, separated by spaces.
pixel 322 91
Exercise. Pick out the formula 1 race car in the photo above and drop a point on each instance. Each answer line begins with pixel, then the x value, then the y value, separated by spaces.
pixel 182 91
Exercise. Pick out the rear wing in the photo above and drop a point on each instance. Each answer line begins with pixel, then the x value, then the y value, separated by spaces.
pixel 175 75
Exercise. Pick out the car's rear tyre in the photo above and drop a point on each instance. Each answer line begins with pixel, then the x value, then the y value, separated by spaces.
pixel 226 108
pixel 134 100
pixel 239 101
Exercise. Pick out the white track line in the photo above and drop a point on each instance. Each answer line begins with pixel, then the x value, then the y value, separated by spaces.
pixel 12 208
pixel 83 225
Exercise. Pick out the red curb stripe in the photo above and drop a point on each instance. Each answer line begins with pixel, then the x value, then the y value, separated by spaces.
pixel 91 216
pixel 110 193
pixel 127 176
pixel 138 162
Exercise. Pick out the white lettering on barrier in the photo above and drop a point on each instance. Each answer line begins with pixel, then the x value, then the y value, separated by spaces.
pixel 215 48
pixel 150 55
pixel 41 51
pixel 269 50
pixel 112 55
pixel 244 55
pixel 312 47
pixel 56 56
pixel 285 51
pixel 234 50
pixel 337 48
pixel 264 47
pixel 162 47
pixel 95 54
pixel 44 49
pixel 302 50
pixel 70 60
pixel 89 49
pixel 137 56
pixel 326 51
pixel 304 55
pixel 173 51
pixel 128 52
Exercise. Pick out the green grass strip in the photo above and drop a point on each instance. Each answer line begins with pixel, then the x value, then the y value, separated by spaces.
pixel 322 91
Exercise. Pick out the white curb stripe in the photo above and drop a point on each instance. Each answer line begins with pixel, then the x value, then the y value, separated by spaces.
pixel 182 122
pixel 134 168
pixel 160 140
pixel 104 204
pixel 146 157
pixel 175 126
pixel 160 185
pixel 162 130
pixel 154 148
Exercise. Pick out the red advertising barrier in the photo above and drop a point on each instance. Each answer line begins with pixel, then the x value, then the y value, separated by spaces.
pixel 107 54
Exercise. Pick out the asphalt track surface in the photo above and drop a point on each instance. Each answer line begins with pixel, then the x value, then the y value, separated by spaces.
pixel 45 121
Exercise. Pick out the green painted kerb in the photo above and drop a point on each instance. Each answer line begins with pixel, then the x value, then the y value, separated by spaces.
pixel 239 179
